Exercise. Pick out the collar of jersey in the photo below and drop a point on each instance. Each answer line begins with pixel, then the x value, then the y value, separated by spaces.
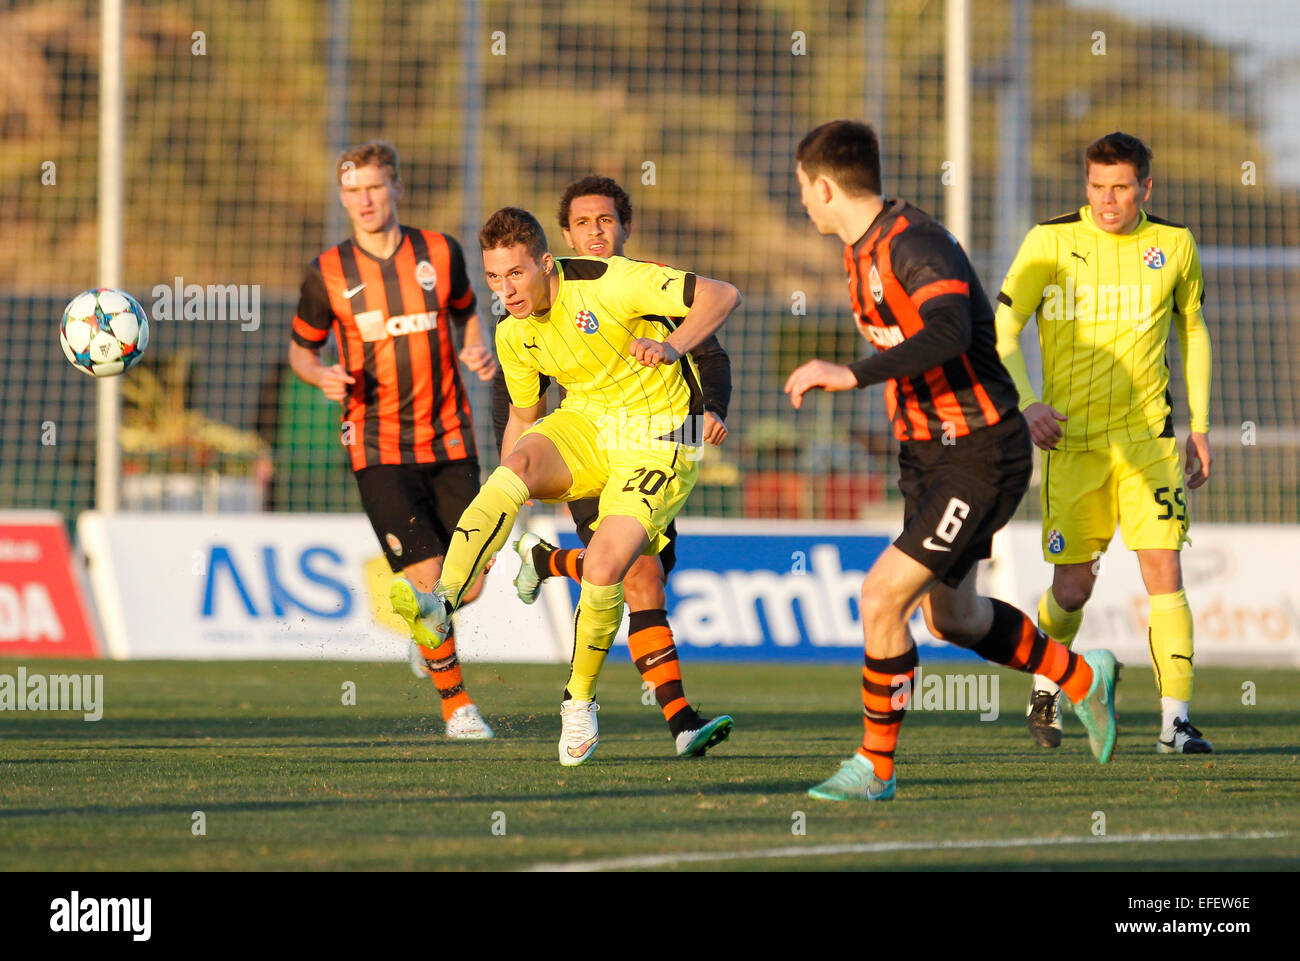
pixel 1085 214
pixel 559 292
pixel 890 204
pixel 396 250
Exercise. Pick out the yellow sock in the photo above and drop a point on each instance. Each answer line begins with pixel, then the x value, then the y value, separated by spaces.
pixel 481 531
pixel 1055 621
pixel 600 611
pixel 1171 644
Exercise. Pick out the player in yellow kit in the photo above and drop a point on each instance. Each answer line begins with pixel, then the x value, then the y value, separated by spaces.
pixel 627 432
pixel 1107 283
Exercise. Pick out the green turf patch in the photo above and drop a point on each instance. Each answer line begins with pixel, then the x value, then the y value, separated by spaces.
pixel 287 776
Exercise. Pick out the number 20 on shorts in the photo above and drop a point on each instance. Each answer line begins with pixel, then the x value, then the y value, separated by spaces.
pixel 646 481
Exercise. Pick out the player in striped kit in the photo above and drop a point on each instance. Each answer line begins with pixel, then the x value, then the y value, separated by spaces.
pixel 1107 282
pixel 389 295
pixel 965 454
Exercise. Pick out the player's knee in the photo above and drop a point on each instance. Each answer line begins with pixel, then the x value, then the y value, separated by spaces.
pixel 643 588
pixel 878 610
pixel 600 570
pixel 524 463
pixel 1073 593
pixel 943 624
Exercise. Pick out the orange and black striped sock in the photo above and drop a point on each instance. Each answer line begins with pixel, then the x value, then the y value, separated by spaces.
pixel 884 702
pixel 566 563
pixel 443 668
pixel 1014 640
pixel 650 641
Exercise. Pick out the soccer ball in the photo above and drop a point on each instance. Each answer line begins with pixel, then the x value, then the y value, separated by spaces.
pixel 104 332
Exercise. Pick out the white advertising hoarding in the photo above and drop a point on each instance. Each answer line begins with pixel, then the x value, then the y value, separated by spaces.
pixel 229 586
pixel 234 586
pixel 1240 580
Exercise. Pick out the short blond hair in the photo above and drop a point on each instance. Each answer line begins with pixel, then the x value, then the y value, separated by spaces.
pixel 380 153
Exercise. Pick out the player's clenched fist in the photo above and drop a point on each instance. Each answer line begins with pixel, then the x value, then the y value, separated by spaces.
pixel 715 429
pixel 334 382
pixel 818 373
pixel 651 353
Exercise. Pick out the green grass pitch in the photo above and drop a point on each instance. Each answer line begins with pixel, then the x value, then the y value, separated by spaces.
pixel 289 777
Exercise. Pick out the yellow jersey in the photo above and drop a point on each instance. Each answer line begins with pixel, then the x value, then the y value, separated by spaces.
pixel 1105 303
pixel 584 342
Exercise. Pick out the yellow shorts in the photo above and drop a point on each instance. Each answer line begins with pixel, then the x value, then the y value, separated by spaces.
pixel 1085 493
pixel 647 480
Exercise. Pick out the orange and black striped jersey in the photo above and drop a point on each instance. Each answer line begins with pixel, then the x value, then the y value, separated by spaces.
pixel 917 299
pixel 391 320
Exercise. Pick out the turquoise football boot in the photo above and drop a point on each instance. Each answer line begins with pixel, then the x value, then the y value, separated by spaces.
pixel 695 741
pixel 1097 711
pixel 855 781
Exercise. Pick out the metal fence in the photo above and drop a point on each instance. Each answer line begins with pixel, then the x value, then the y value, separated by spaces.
pixel 234 112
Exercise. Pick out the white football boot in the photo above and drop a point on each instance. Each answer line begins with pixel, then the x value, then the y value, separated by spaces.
pixel 578 733
pixel 467 724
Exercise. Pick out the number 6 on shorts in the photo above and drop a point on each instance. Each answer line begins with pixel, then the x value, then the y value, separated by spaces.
pixel 950 523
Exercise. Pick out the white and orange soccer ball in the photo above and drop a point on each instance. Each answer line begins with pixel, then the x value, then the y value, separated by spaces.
pixel 104 332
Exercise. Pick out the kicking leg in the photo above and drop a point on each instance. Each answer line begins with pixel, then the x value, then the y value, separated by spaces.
pixel 440 664
pixel 1000 633
pixel 533 469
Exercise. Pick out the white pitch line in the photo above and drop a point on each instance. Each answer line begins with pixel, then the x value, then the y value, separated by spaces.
pixel 885 847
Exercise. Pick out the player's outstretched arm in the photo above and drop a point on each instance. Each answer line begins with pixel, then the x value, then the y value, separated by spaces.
pixel 713 303
pixel 333 381
pixel 818 374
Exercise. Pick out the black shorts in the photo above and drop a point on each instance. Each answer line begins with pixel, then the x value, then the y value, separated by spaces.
pixel 413 508
pixel 585 512
pixel 958 495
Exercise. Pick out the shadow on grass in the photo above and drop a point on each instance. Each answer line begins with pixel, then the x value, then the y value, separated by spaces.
pixel 405 802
